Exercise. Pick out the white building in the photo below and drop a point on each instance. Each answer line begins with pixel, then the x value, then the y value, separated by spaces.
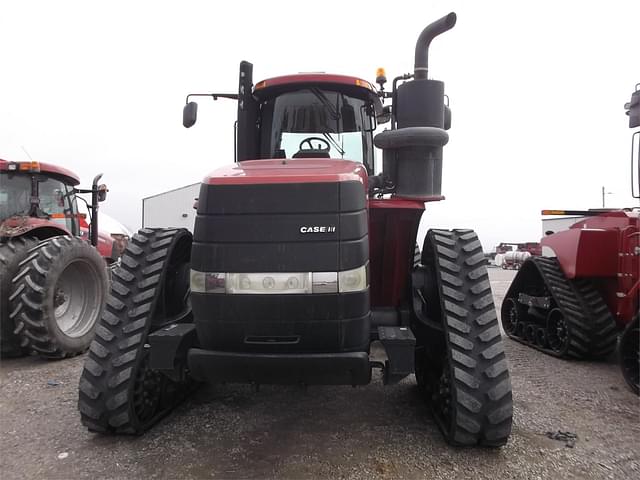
pixel 171 209
pixel 557 224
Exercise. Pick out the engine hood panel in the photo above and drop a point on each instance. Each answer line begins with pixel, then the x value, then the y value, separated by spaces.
pixel 289 171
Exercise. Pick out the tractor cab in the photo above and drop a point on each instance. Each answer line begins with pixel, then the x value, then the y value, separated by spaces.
pixel 316 116
pixel 41 200
pixel 306 115
pixel 41 192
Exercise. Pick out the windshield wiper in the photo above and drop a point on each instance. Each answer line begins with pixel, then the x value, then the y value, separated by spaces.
pixel 333 142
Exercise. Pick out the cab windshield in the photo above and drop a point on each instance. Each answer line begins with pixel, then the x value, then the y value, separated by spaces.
pixel 55 198
pixel 317 123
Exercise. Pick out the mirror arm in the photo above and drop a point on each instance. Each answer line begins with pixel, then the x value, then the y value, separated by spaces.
pixel 215 96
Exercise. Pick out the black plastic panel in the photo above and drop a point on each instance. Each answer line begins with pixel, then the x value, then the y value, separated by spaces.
pixel 309 369
pixel 281 227
pixel 294 323
pixel 298 227
pixel 279 257
pixel 281 198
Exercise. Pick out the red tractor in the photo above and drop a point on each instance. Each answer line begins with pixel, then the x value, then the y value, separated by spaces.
pixel 573 300
pixel 53 282
pixel 302 257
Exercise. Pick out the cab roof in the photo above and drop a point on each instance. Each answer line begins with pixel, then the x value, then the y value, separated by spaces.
pixel 314 77
pixel 354 86
pixel 62 174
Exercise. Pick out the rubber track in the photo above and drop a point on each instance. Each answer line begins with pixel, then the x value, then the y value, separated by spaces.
pixel 115 355
pixel 483 409
pixel 10 251
pixel 28 294
pixel 593 329
pixel 628 354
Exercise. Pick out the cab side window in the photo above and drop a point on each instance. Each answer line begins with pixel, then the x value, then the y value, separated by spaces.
pixel 56 202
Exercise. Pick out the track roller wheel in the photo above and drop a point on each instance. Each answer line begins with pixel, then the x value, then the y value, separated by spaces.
pixel 58 296
pixel 629 355
pixel 557 332
pixel 461 367
pixel 119 393
pixel 12 252
pixel 512 313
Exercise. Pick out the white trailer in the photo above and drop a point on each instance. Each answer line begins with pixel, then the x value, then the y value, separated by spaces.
pixel 171 209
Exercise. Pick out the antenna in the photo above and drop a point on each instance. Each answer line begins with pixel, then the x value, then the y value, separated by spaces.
pixel 25 151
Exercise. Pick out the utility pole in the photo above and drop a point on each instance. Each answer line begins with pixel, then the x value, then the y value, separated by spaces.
pixel 603 194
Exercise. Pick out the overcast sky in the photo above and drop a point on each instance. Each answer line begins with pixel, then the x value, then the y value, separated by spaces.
pixel 537 92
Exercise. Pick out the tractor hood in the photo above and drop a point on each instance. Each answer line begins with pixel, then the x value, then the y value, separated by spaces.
pixel 320 170
pixel 19 225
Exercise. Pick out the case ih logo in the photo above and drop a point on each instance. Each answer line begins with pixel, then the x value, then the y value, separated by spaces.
pixel 317 229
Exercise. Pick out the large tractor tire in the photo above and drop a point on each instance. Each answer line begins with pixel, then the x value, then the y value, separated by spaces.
pixel 629 354
pixel 119 393
pixel 12 252
pixel 57 297
pixel 460 364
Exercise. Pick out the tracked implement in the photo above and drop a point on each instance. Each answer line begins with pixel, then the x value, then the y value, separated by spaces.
pixel 574 301
pixel 562 317
pixel 302 257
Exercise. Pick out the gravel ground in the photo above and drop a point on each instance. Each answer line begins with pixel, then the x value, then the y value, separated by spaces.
pixel 325 432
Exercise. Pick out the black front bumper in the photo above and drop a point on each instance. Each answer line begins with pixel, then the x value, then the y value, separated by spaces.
pixel 347 368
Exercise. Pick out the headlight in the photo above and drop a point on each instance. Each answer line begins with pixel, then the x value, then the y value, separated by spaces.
pixel 353 280
pixel 276 283
pixel 207 282
pixel 281 283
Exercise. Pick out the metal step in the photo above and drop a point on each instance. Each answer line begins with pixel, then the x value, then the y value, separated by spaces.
pixel 399 344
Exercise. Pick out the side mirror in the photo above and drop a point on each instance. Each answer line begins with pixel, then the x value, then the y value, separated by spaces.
pixel 102 192
pixel 633 109
pixel 385 116
pixel 189 114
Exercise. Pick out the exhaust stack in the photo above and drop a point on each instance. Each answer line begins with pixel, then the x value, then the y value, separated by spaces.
pixel 431 31
pixel 412 153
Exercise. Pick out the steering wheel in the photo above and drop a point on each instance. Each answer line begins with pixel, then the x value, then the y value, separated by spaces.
pixel 307 141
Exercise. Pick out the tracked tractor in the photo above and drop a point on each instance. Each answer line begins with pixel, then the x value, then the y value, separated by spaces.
pixel 302 257
pixel 573 301
pixel 53 264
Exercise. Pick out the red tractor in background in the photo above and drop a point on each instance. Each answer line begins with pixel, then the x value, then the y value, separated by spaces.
pixel 585 288
pixel 302 256
pixel 53 282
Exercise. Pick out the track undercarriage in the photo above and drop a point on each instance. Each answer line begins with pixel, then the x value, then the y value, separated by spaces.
pixel 461 368
pixel 559 316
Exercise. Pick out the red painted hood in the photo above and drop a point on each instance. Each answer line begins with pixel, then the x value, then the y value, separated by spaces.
pixel 308 170
pixel 607 220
